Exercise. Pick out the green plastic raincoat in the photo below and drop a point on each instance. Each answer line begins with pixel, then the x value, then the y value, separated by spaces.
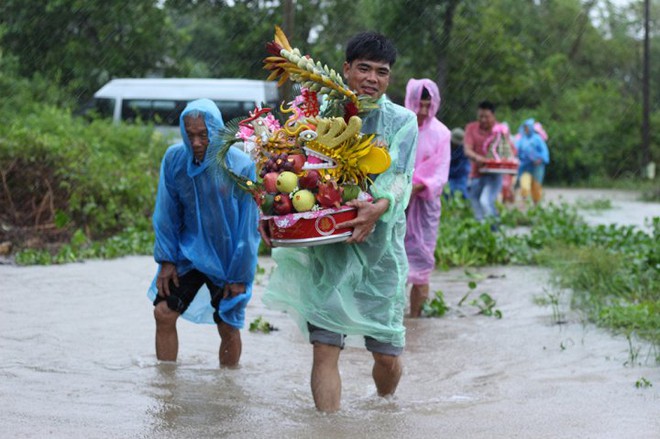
pixel 357 289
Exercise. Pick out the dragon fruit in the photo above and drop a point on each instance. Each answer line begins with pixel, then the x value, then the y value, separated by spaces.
pixel 329 194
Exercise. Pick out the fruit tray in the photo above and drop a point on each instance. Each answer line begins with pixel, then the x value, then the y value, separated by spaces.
pixel 312 228
pixel 499 167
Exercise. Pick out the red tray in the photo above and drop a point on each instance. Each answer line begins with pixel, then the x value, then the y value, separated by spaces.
pixel 307 229
pixel 499 167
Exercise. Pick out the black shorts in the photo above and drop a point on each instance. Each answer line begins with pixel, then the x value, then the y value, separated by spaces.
pixel 182 296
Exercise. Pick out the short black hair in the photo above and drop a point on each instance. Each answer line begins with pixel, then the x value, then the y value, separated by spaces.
pixel 486 105
pixel 425 94
pixel 370 46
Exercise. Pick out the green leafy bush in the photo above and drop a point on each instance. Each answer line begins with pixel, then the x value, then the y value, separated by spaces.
pixel 613 271
pixel 61 174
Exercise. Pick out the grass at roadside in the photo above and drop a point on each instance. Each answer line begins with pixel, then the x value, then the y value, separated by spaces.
pixel 612 271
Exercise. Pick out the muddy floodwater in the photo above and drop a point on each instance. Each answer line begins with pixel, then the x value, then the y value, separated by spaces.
pixel 77 361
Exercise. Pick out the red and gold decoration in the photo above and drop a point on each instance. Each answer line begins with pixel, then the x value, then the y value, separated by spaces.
pixel 501 158
pixel 314 160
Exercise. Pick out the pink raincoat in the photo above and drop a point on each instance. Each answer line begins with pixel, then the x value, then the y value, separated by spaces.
pixel 431 170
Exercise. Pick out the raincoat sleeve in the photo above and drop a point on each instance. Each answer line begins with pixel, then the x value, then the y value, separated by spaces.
pixel 243 265
pixel 434 171
pixel 542 150
pixel 168 214
pixel 395 183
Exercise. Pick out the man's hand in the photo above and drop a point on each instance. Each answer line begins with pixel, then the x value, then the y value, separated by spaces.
pixel 264 231
pixel 233 290
pixel 471 154
pixel 365 223
pixel 167 274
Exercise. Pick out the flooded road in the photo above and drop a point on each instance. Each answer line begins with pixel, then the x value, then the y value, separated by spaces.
pixel 77 361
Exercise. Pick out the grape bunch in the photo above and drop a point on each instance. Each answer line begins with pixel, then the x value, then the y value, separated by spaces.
pixel 276 163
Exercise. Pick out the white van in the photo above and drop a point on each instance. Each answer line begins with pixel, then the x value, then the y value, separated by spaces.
pixel 161 100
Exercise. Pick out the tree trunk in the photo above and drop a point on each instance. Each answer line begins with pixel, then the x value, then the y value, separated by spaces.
pixel 442 43
pixel 584 20
pixel 646 106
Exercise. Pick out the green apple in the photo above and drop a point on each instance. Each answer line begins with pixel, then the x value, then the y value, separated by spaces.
pixel 303 200
pixel 287 181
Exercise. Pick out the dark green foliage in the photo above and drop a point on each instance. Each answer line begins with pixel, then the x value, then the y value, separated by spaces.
pixel 573 65
pixel 64 178
pixel 82 44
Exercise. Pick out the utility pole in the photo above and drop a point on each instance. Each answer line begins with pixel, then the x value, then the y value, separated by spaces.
pixel 646 98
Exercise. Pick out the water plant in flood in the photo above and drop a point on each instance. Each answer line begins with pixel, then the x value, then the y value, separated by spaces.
pixel 261 325
pixel 598 204
pixel 436 307
pixel 485 303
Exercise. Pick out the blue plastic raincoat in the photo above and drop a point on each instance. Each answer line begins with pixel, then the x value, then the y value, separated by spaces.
pixel 357 289
pixel 203 221
pixel 532 149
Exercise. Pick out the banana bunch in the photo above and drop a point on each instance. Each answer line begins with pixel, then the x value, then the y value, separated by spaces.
pixel 353 154
pixel 333 131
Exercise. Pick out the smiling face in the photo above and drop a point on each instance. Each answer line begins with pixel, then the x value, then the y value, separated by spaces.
pixel 197 135
pixel 369 78
pixel 486 119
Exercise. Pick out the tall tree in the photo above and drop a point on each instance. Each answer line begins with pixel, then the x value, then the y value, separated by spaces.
pixel 82 44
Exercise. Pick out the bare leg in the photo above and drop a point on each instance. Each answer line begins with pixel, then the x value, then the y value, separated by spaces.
pixel 418 295
pixel 537 191
pixel 167 339
pixel 386 373
pixel 326 382
pixel 230 345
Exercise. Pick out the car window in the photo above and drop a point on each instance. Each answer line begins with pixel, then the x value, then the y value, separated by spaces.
pixel 104 107
pixel 167 112
pixel 159 112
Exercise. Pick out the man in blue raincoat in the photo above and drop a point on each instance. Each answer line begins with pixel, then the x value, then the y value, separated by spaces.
pixel 206 236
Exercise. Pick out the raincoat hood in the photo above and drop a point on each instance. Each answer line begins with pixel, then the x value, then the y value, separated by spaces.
pixel 214 125
pixel 529 123
pixel 414 96
pixel 531 146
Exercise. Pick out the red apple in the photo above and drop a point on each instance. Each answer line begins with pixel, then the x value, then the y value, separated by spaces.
pixel 282 204
pixel 270 182
pixel 309 180
pixel 298 161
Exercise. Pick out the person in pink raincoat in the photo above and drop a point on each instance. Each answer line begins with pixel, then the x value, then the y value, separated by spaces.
pixel 430 175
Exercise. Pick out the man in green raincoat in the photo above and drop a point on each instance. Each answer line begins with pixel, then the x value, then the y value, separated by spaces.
pixel 357 288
